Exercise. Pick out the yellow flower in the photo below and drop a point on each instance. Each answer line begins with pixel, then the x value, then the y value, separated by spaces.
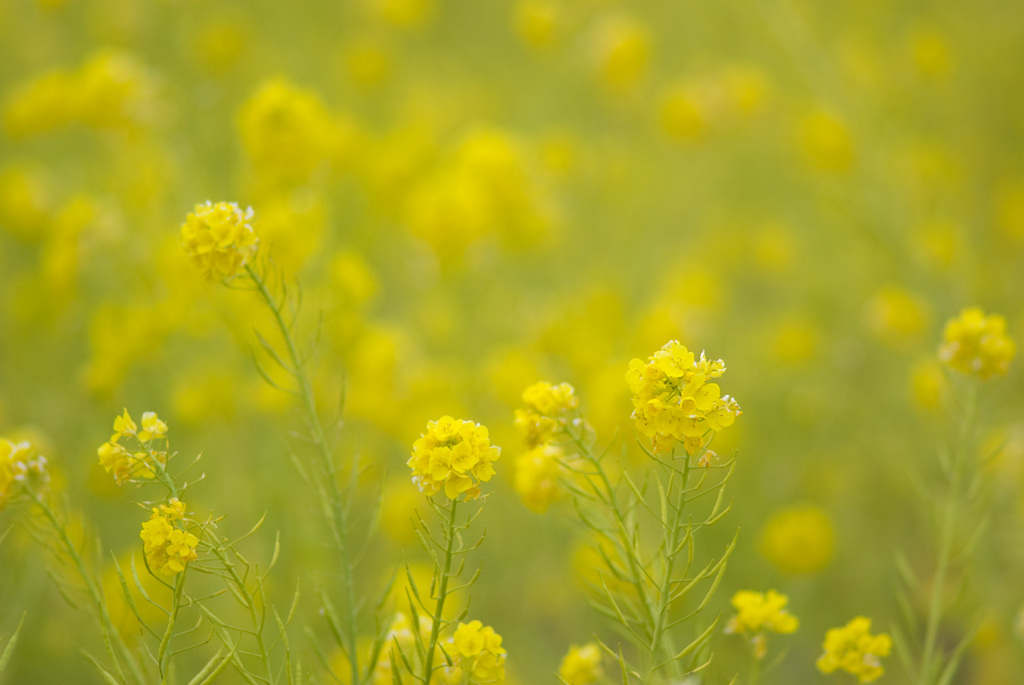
pixel 167 548
pixel 855 650
pixel 20 467
pixel 545 405
pixel 478 652
pixel 673 400
pixel 455 455
pixel 152 427
pixel 582 665
pixel 219 238
pixel 977 344
pixel 758 613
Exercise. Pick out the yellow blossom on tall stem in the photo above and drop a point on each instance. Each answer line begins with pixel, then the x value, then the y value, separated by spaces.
pixel 220 239
pixel 477 650
pixel 758 613
pixel 674 400
pixel 168 548
pixel 976 344
pixel 581 665
pixel 852 648
pixel 454 455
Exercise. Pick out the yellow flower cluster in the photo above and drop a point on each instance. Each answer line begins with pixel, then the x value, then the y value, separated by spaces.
pixel 977 344
pixel 20 467
pixel 582 665
pixel 455 455
pixel 219 238
pixel 544 414
pixel 477 652
pixel 758 613
pixel 673 400
pixel 168 547
pixel 288 132
pixel 855 650
pixel 110 90
pixel 125 464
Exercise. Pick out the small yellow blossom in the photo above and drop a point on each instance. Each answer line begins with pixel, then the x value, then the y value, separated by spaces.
pixel 673 400
pixel 455 455
pixel 758 613
pixel 220 238
pixel 582 665
pixel 855 650
pixel 20 468
pixel 545 406
pixel 478 652
pixel 977 344
pixel 124 464
pixel 167 547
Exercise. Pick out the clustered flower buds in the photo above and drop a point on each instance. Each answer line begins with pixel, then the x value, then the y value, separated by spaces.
pixel 673 400
pixel 220 239
pixel 454 455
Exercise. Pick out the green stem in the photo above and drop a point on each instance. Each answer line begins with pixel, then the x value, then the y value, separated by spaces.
pixel 931 660
pixel 257 621
pixel 670 541
pixel 755 665
pixel 442 593
pixel 109 632
pixel 338 518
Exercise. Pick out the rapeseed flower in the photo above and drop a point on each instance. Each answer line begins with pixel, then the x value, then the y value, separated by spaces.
pixel 976 344
pixel 126 464
pixel 673 400
pixel 168 548
pixel 546 405
pixel 477 651
pixel 582 665
pixel 220 238
pixel 455 455
pixel 758 613
pixel 20 467
pixel 855 650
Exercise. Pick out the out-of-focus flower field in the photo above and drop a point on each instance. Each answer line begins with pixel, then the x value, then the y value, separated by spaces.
pixel 471 197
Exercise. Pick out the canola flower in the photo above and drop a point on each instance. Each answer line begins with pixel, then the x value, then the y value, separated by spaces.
pixel 976 344
pixel 673 400
pixel 21 468
pixel 544 415
pixel 220 239
pixel 454 455
pixel 852 648
pixel 126 465
pixel 168 547
pixel 582 665
pixel 476 650
pixel 758 613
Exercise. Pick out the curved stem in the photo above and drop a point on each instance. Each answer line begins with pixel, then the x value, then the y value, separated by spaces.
pixel 333 503
pixel 931 661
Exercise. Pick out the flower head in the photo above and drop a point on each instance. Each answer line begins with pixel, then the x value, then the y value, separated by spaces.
pixel 546 405
pixel 21 468
pixel 477 651
pixel 220 238
pixel 855 650
pixel 168 548
pixel 758 613
pixel 977 344
pixel 674 400
pixel 147 452
pixel 455 455
pixel 582 665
